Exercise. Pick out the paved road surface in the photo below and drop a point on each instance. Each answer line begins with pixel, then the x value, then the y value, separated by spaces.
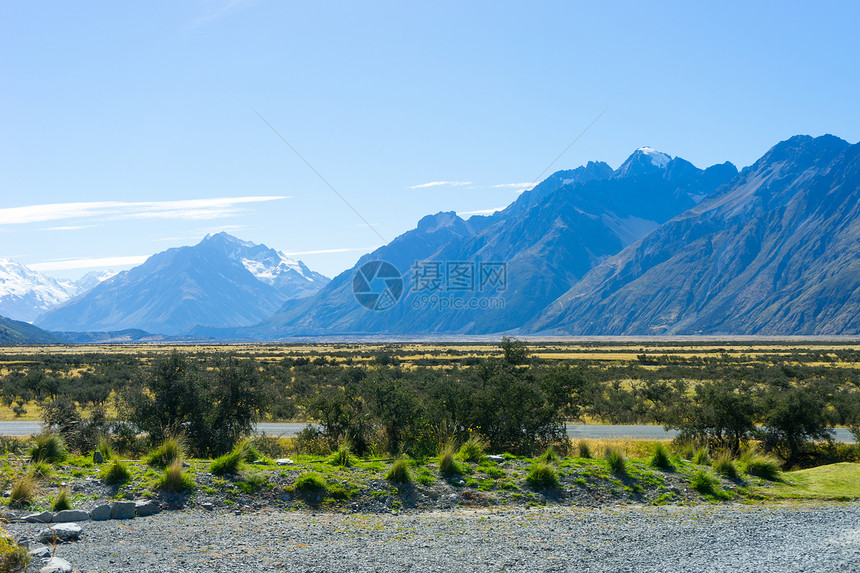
pixel 575 431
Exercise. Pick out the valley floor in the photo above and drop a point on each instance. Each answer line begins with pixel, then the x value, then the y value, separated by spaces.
pixel 708 537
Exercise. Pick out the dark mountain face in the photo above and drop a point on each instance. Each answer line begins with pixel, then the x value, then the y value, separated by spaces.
pixel 776 252
pixel 222 281
pixel 544 242
pixel 16 332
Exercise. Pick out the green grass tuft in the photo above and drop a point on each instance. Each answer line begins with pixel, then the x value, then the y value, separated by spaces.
pixel 13 557
pixel 227 464
pixel 170 450
pixel 23 492
pixel 174 479
pixel 473 449
pixel 701 457
pixel 115 473
pixel 310 482
pixel 704 483
pixel 40 470
pixel 616 461
pixel 725 465
pixel 583 449
pixel 448 466
pixel 766 467
pixel 342 456
pixel 549 456
pixel 49 448
pixel 399 472
pixel 542 475
pixel 660 458
pixel 62 501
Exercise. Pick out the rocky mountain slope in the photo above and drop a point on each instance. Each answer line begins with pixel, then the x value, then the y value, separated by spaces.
pixel 777 252
pixel 492 274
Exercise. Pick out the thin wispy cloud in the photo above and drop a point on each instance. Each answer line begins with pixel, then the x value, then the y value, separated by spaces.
pixel 191 209
pixel 219 9
pixel 328 251
pixel 70 228
pixel 480 211
pixel 102 262
pixel 518 187
pixel 441 183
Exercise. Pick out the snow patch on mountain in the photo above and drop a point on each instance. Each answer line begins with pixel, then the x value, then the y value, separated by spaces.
pixel 25 293
pixel 269 273
pixel 658 158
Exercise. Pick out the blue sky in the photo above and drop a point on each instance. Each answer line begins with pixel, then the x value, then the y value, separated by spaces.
pixel 144 116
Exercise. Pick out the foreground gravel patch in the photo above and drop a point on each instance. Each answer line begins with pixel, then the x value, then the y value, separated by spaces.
pixel 667 538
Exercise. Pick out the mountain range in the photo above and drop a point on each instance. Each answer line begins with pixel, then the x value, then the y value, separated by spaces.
pixel 654 247
pixel 222 281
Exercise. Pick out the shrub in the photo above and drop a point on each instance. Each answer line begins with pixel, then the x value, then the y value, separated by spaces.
pixel 704 483
pixel 725 465
pixel 49 448
pixel 583 449
pixel 342 456
pixel 399 472
pixel 174 479
pixel 766 467
pixel 23 492
pixel 227 464
pixel 62 501
pixel 542 475
pixel 115 472
pixel 660 458
pixel 447 465
pixel 549 456
pixel 472 449
pixel 172 449
pixel 616 461
pixel 310 482
pixel 13 557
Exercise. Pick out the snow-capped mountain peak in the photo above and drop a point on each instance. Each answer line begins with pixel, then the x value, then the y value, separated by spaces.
pixel 25 293
pixel 658 158
pixel 270 269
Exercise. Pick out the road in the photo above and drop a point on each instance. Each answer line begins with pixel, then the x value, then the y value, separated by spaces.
pixel 574 431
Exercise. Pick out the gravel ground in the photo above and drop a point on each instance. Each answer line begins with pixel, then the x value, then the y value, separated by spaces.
pixel 708 537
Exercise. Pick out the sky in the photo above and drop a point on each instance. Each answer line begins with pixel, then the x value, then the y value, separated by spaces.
pixel 324 129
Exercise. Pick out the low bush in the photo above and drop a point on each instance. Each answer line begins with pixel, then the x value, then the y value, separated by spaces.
pixel 49 448
pixel 170 450
pixel 115 472
pixel 725 465
pixel 660 458
pixel 542 475
pixel 399 472
pixel 473 449
pixel 583 449
pixel 615 459
pixel 175 479
pixel 227 464
pixel 23 492
pixel 62 501
pixel 310 482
